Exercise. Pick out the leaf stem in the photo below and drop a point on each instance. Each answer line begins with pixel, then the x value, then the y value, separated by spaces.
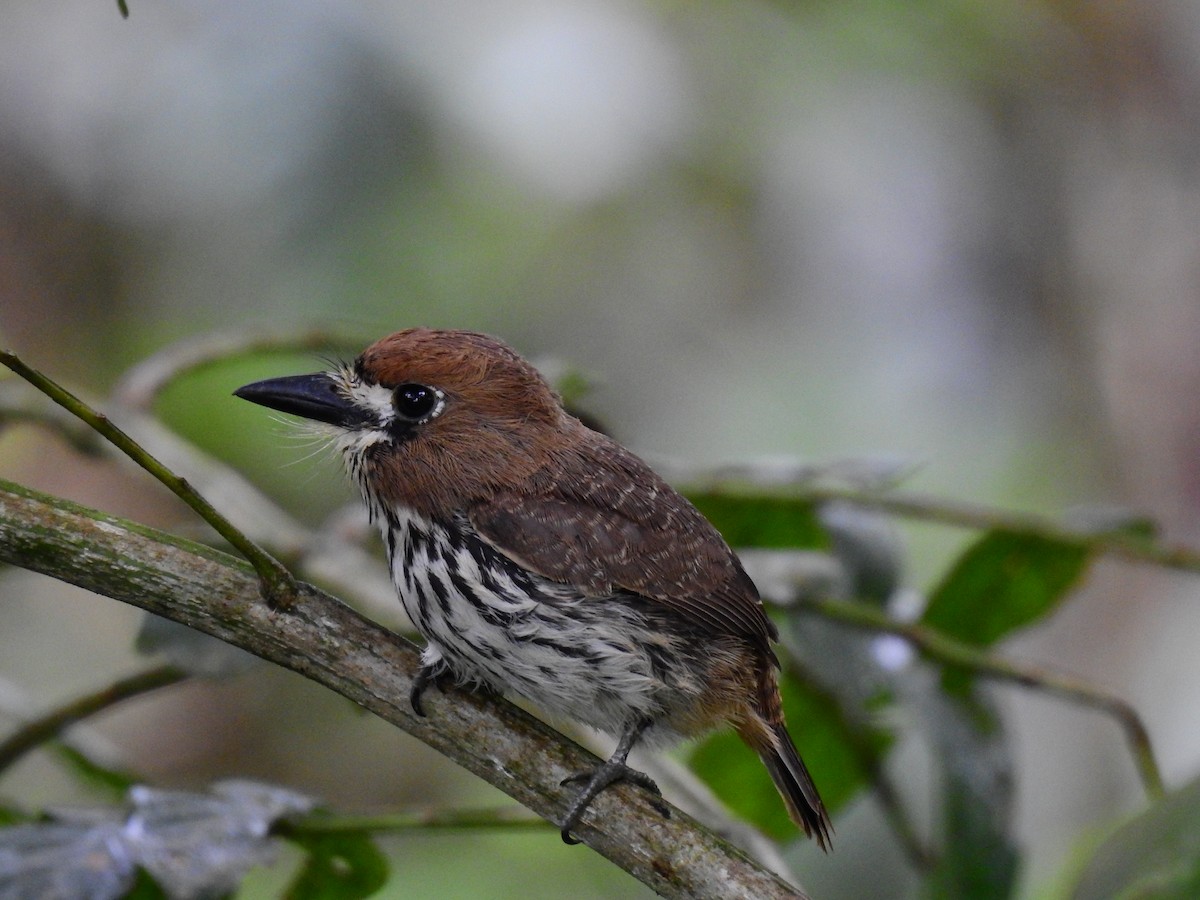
pixel 141 385
pixel 276 584
pixel 505 817
pixel 958 514
pixel 44 728
pixel 946 650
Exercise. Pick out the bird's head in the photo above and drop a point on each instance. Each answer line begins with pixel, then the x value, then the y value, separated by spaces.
pixel 429 419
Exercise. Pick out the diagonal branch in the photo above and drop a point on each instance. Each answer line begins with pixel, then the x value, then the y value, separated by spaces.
pixel 331 644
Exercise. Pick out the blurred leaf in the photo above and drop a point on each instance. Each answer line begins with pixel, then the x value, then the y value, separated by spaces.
pixel 1003 582
pixel 339 867
pixel 758 521
pixel 736 776
pixel 822 736
pixel 1156 856
pixel 11 815
pixel 203 844
pixel 192 844
pixel 978 858
pixel 66 859
pixel 868 546
pixel 145 888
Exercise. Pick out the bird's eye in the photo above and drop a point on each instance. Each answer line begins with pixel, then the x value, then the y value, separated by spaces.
pixel 416 401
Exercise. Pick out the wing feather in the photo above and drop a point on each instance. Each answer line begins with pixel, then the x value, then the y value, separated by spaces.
pixel 605 521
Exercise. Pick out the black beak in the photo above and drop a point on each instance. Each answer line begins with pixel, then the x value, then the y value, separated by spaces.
pixel 311 396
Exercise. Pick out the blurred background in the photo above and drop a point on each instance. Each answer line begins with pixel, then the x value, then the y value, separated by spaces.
pixel 963 234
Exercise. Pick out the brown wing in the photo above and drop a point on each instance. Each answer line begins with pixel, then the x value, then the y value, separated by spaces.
pixel 606 521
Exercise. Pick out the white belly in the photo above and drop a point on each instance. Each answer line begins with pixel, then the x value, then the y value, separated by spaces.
pixel 493 623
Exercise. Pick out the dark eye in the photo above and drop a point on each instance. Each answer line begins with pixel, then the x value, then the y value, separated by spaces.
pixel 415 401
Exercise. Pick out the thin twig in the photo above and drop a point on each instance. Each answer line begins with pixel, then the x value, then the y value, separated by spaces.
pixel 948 651
pixel 960 514
pixel 44 728
pixel 507 818
pixel 984 518
pixel 334 555
pixel 276 583
pixel 21 406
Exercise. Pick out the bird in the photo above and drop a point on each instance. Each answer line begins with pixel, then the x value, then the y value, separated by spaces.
pixel 541 558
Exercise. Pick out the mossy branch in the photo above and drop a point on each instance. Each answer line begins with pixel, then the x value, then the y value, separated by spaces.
pixel 328 642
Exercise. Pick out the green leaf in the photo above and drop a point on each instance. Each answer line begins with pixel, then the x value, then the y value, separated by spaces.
pixel 10 815
pixel 339 867
pixel 758 521
pixel 737 777
pixel 1156 856
pixel 1003 582
pixel 831 748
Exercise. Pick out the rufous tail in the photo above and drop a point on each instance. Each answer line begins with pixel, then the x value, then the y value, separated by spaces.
pixel 775 748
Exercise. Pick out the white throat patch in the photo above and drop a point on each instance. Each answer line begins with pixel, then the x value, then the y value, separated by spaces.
pixel 375 399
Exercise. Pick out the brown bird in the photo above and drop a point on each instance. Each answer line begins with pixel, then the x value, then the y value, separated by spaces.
pixel 541 558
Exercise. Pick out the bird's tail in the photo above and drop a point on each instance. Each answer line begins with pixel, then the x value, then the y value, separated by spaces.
pixel 769 738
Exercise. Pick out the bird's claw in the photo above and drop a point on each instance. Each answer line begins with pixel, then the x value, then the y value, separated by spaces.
pixel 427 675
pixel 599 779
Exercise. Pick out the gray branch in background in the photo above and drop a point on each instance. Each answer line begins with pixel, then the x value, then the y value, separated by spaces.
pixel 328 642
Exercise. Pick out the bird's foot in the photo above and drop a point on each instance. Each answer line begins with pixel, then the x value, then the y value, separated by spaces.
pixel 435 674
pixel 598 779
